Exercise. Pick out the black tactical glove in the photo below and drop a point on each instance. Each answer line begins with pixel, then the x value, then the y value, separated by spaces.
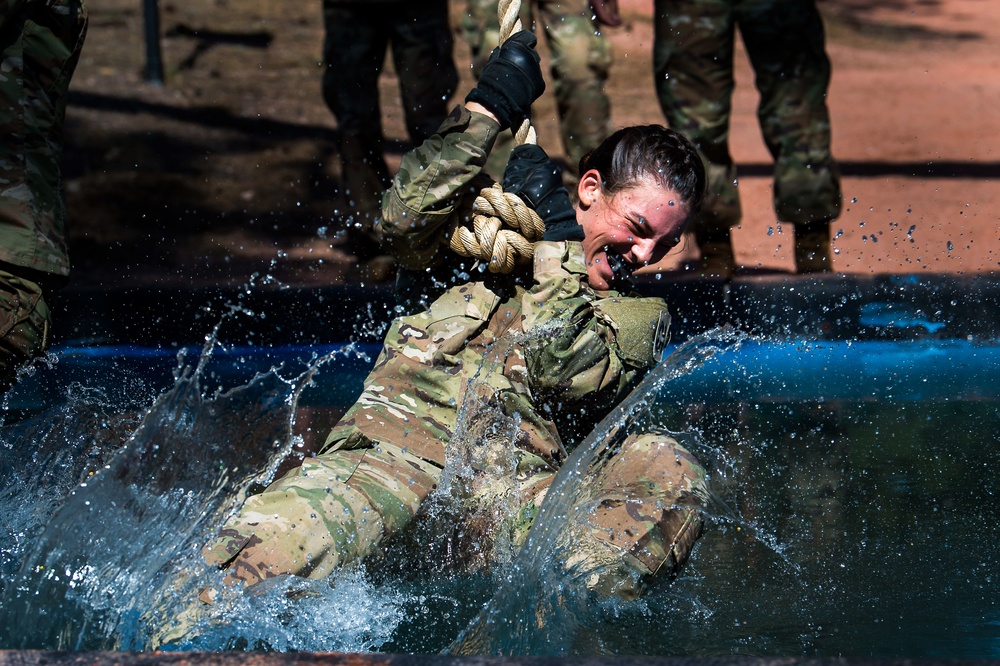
pixel 511 80
pixel 535 178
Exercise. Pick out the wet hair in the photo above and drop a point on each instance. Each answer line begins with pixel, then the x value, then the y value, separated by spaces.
pixel 634 153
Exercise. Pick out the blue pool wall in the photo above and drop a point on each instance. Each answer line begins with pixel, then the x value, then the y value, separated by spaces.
pixel 911 337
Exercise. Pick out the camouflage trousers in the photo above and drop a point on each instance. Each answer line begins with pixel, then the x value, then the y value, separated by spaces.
pixel 358 35
pixel 693 63
pixel 24 325
pixel 581 59
pixel 644 519
pixel 40 45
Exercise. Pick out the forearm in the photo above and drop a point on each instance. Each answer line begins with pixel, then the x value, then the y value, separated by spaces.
pixel 432 183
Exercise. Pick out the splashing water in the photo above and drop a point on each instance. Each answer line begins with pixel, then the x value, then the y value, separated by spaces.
pixel 104 515
pixel 541 604
pixel 108 498
pixel 106 509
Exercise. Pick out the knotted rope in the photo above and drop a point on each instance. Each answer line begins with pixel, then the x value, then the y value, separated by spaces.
pixel 488 240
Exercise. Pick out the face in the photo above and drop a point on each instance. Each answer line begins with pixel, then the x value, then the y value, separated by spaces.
pixel 640 224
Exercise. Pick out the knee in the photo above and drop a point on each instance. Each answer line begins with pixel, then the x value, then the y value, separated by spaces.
pixel 625 549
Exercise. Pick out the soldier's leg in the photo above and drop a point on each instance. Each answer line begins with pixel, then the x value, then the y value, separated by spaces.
pixel 24 325
pixel 332 510
pixel 693 69
pixel 581 59
pixel 646 518
pixel 422 52
pixel 354 50
pixel 786 45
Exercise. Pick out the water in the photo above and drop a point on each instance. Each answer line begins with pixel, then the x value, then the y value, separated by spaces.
pixel 855 511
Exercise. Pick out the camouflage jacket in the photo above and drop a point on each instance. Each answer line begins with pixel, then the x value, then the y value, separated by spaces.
pixel 539 356
pixel 40 45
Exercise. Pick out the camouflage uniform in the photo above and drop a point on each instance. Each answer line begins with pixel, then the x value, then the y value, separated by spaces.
pixel 40 45
pixel 494 379
pixel 693 63
pixel 581 58
pixel 358 33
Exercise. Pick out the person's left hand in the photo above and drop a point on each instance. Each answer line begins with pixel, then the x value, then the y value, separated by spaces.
pixel 534 177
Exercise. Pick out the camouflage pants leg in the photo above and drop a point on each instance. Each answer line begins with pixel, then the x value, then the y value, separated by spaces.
pixel 786 45
pixel 693 68
pixel 24 325
pixel 332 510
pixel 581 60
pixel 645 518
pixel 353 53
pixel 357 38
pixel 422 46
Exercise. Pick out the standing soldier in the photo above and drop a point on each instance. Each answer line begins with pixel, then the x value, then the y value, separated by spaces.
pixel 40 44
pixel 358 32
pixel 581 58
pixel 693 63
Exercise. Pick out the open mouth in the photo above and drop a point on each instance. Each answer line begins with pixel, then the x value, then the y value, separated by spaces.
pixel 621 272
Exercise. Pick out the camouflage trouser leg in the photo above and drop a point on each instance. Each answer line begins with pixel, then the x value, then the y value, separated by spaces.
pixel 693 63
pixel 24 325
pixel 693 68
pixel 645 520
pixel 422 46
pixel 355 45
pixel 581 59
pixel 353 53
pixel 330 511
pixel 785 43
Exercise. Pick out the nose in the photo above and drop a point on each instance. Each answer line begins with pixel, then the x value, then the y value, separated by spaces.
pixel 644 251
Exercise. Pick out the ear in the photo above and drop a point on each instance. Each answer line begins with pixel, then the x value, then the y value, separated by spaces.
pixel 590 187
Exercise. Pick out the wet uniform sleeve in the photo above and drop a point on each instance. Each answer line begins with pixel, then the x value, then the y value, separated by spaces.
pixel 435 183
pixel 588 353
pixel 575 355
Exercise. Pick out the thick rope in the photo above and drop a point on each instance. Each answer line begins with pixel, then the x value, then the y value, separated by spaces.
pixel 488 240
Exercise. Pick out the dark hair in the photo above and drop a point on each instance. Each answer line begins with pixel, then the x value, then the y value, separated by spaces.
pixel 634 153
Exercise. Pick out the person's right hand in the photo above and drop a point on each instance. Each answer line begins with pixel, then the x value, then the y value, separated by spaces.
pixel 534 177
pixel 511 80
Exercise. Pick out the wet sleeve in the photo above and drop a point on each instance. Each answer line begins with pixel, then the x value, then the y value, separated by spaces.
pixel 576 357
pixel 435 183
pixel 582 349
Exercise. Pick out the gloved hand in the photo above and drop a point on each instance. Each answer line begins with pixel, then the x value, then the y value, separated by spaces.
pixel 535 178
pixel 511 80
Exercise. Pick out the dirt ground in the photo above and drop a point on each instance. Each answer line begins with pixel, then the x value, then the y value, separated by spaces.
pixel 226 173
